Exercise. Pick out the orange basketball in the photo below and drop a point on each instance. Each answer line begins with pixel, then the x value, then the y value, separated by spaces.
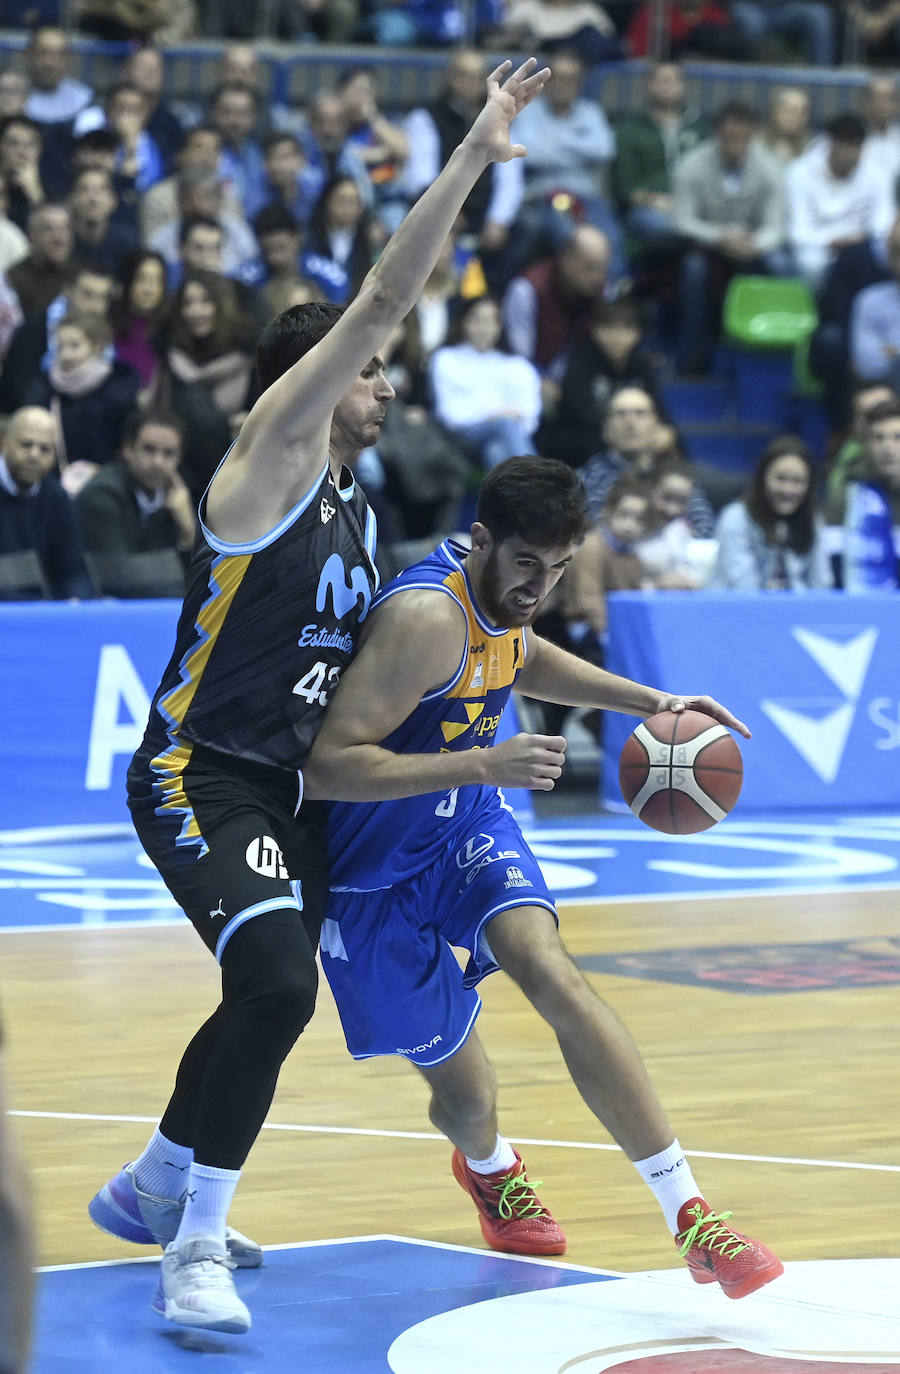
pixel 680 772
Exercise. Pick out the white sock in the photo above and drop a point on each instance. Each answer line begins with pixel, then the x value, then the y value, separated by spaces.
pixel 162 1169
pixel 207 1199
pixel 504 1157
pixel 668 1176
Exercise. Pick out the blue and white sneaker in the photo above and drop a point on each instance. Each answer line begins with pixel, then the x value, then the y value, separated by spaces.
pixel 196 1288
pixel 122 1210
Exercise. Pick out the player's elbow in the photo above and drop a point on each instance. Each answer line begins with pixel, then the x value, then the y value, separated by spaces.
pixel 324 777
pixel 380 299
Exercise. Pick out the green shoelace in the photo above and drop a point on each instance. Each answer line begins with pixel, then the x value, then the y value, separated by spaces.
pixel 710 1232
pixel 516 1198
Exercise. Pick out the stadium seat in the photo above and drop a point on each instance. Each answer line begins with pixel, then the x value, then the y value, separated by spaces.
pixel 768 312
pixel 133 575
pixel 22 577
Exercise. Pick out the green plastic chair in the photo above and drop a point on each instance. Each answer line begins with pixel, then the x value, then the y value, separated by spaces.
pixel 768 312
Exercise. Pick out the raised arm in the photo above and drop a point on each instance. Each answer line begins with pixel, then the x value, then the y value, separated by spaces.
pixel 414 644
pixel 298 407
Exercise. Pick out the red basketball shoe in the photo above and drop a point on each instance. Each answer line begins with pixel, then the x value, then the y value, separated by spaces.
pixel 511 1217
pixel 716 1254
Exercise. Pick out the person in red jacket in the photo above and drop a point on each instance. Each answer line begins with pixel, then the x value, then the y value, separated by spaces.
pixel 690 26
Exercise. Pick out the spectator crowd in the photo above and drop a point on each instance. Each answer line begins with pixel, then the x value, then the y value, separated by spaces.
pixel 143 245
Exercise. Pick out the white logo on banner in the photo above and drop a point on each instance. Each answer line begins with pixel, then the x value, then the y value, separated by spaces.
pixel 820 735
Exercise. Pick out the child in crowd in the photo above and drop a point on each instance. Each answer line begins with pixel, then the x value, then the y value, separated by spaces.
pixel 669 551
pixel 771 539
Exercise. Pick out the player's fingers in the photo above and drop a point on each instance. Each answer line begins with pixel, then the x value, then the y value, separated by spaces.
pixel 555 743
pixel 520 74
pixel 723 715
pixel 532 84
pixel 499 72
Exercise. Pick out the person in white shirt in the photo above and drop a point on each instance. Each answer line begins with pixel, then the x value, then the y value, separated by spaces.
pixel 882 118
pixel 835 198
pixel 54 98
pixel 489 399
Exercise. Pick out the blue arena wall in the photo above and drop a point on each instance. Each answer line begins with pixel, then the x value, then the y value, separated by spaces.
pixel 816 677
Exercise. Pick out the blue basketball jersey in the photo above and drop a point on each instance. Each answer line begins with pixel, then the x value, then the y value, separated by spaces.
pixel 376 844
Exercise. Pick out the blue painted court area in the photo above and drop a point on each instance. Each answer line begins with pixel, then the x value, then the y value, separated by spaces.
pixel 327 1309
pixel 97 874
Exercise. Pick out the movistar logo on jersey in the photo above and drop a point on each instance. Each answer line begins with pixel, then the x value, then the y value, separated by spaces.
pixel 345 595
pixel 315 637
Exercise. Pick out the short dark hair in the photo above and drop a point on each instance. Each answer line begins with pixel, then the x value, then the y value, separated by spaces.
pixel 801 525
pixel 624 487
pixel 540 500
pixel 277 136
pixel 136 421
pixel 26 121
pixel 231 88
pixel 623 311
pixel 290 336
pixel 275 219
pixel 96 141
pixel 885 410
pixel 192 222
pixel 735 112
pixel 846 128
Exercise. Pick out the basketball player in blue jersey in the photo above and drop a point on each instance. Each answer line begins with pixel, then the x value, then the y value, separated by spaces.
pixel 431 857
pixel 281 579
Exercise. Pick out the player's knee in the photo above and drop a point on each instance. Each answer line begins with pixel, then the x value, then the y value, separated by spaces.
pixel 270 979
pixel 281 1005
pixel 552 982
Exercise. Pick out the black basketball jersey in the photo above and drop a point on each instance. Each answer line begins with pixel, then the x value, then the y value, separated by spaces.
pixel 266 629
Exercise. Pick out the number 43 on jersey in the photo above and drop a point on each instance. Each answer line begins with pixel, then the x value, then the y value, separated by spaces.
pixel 316 685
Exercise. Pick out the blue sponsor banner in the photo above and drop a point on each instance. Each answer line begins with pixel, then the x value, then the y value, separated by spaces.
pixel 816 677
pixel 75 688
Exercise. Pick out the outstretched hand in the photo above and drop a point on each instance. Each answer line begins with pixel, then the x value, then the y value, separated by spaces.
pixel 709 707
pixel 490 131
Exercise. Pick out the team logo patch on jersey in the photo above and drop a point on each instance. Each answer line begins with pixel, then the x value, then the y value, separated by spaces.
pixel 326 511
pixel 266 859
pixel 516 878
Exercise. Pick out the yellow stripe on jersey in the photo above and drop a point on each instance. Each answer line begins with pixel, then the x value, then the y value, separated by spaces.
pixel 226 576
pixel 493 660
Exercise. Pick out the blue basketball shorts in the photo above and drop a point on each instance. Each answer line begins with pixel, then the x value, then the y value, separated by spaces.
pixel 388 954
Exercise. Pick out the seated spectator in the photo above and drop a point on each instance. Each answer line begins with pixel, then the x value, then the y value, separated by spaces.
pixel 11 319
pixel 308 21
pixel 21 144
pixel 280 293
pixel 13 243
pixel 867 396
pixel 199 156
pixel 671 554
pixel 487 398
pixel 54 97
pixel 880 112
pixel 875 325
pixel 205 344
pixel 233 111
pixel 382 145
pixel 551 24
pixel 39 278
pixel 877 26
pixel 772 538
pixel 869 509
pixel 807 26
pixel 611 357
pixel 124 113
pixel 35 512
pixel 787 130
pixel 650 144
pixel 633 441
pixel 99 239
pixel 835 198
pixel 290 183
pixel 729 205
pixel 328 151
pixel 550 304
pixel 282 257
pixel 417 23
pixel 854 268
pixel 693 28
pixel 570 147
pixel 138 312
pixel 13 93
pixel 145 69
pixel 607 561
pixel 493 204
pixel 343 233
pixel 89 396
pixel 140 503
pixel 456 276
pixel 88 291
pixel 179 242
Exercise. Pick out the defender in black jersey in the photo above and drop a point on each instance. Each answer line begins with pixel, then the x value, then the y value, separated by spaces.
pixel 281 579
pixel 427 859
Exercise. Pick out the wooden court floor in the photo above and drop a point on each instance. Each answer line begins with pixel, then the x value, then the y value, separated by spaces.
pixel 96 1020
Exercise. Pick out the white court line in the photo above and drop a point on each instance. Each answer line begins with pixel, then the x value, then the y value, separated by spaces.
pixel 522 1140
